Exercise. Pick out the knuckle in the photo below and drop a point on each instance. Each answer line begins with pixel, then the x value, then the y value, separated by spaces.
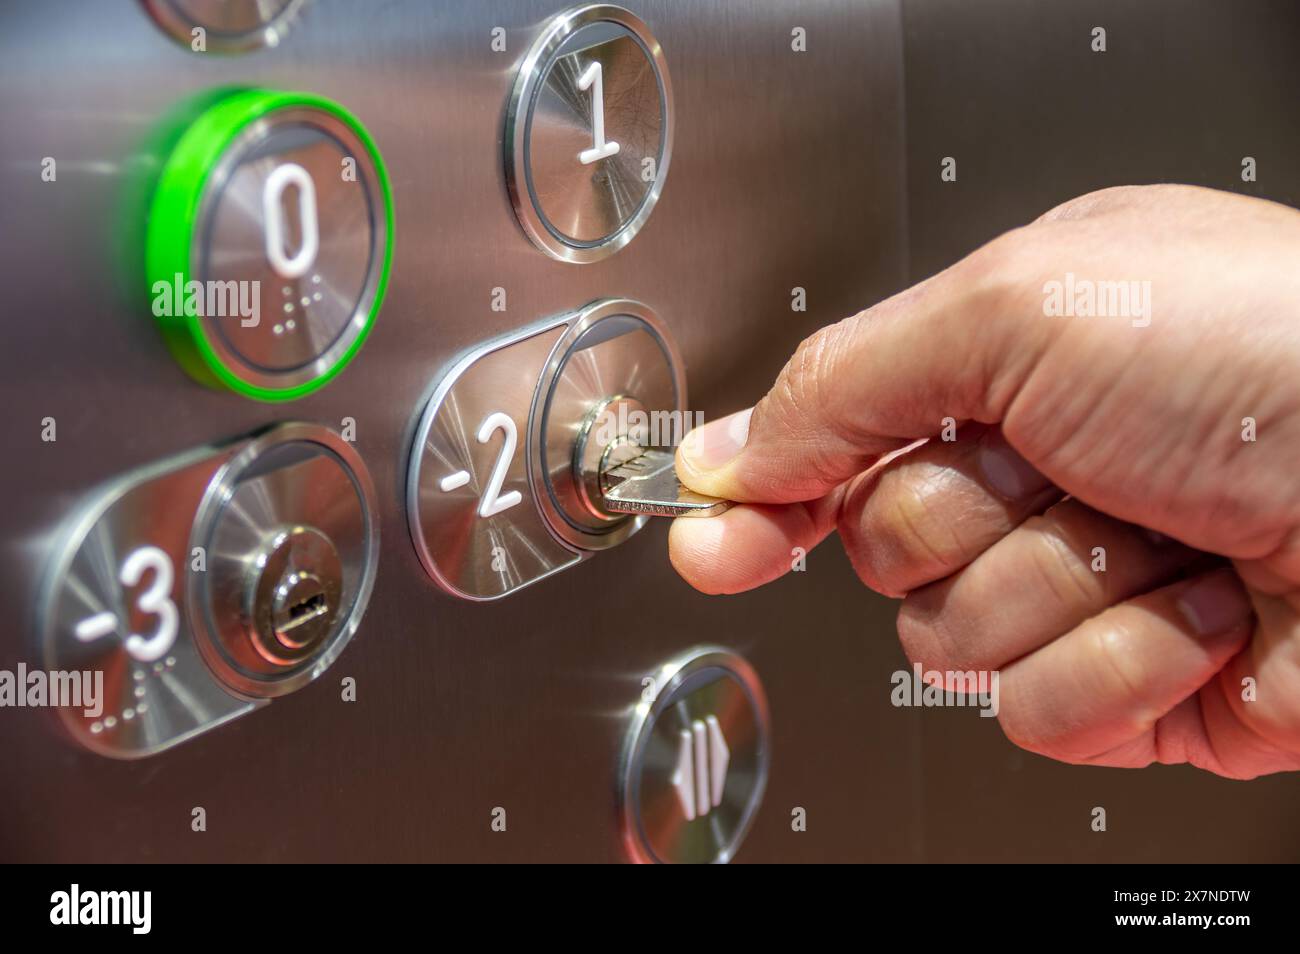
pixel 1024 731
pixel 1064 575
pixel 925 638
pixel 914 541
pixel 1089 203
pixel 806 397
pixel 1121 669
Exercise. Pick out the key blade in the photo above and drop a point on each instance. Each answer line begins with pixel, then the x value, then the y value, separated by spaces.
pixel 648 484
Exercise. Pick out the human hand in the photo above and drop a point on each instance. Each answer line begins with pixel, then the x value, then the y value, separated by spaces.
pixel 1168 443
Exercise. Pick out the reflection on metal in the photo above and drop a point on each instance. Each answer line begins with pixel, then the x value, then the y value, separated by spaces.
pixel 469 503
pixel 229 26
pixel 290 529
pixel 317 295
pixel 647 483
pixel 612 348
pixel 696 761
pixel 589 133
pixel 499 485
pixel 119 597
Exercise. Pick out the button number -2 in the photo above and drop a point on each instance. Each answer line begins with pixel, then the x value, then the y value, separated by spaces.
pixel 493 501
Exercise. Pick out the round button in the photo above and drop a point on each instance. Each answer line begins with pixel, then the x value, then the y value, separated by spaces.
pixel 291 538
pixel 589 133
pixel 269 243
pixel 229 26
pixel 616 356
pixel 696 761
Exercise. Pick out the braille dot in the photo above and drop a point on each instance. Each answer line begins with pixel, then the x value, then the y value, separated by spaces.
pixel 142 708
pixel 288 308
pixel 315 279
pixel 96 728
pixel 128 714
pixel 316 296
pixel 171 661
pixel 278 329
pixel 110 722
pixel 139 692
pixel 305 301
pixel 290 324
pixel 287 290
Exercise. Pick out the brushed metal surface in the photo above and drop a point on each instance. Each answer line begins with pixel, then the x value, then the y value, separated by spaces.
pixel 472 556
pixel 787 171
pixel 293 474
pixel 613 347
pixel 160 693
pixel 230 25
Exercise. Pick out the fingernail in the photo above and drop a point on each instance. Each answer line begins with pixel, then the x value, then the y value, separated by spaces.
pixel 1007 472
pixel 712 445
pixel 1214 604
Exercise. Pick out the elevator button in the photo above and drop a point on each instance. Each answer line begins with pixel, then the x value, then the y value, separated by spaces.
pixel 589 133
pixel 615 373
pixel 291 535
pixel 228 26
pixel 472 514
pixel 269 243
pixel 267 545
pixel 504 484
pixel 696 761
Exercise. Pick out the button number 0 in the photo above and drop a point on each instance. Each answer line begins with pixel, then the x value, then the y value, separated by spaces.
pixel 600 149
pixel 290 174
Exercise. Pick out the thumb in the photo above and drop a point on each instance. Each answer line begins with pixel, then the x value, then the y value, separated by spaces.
pixel 953 349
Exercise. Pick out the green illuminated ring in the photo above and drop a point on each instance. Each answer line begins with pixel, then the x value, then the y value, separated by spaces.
pixel 174 214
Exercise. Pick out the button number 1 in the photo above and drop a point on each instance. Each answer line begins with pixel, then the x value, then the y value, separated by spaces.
pixel 600 149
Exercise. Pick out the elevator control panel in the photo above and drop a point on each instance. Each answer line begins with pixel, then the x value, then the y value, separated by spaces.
pixel 207 584
pixel 269 241
pixel 589 133
pixel 520 439
pixel 260 224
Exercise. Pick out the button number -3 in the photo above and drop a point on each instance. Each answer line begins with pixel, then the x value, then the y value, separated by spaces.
pixel 156 600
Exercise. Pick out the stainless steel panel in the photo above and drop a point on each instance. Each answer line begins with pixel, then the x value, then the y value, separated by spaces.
pixel 786 171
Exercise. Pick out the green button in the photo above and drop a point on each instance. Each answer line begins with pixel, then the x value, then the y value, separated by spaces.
pixel 269 242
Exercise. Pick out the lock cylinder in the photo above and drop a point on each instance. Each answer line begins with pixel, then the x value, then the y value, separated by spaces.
pixel 615 386
pixel 292 595
pixel 269 242
pixel 289 532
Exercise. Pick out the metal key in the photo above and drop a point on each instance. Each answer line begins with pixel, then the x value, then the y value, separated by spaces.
pixel 645 482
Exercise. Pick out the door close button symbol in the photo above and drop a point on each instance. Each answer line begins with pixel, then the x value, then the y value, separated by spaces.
pixel 702 757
